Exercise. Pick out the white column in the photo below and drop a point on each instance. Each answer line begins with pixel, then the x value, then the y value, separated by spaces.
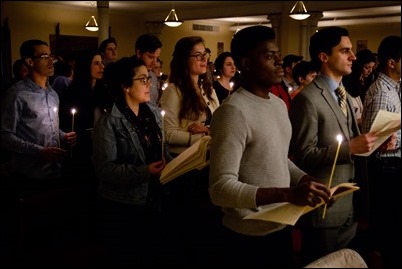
pixel 307 29
pixel 154 28
pixel 103 20
pixel 275 19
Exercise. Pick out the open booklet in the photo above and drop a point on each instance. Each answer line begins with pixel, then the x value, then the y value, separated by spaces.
pixel 195 157
pixel 384 124
pixel 288 213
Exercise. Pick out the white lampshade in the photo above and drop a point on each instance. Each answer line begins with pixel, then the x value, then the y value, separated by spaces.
pixel 92 25
pixel 299 11
pixel 299 16
pixel 172 20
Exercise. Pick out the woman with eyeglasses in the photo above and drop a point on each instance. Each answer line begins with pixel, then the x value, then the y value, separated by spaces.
pixel 189 102
pixel 127 156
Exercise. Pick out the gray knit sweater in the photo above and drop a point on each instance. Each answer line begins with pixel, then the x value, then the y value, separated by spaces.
pixel 250 141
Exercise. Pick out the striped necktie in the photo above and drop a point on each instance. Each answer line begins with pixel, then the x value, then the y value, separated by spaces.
pixel 342 98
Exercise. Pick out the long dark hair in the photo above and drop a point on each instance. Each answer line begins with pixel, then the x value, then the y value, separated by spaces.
pixel 220 60
pixel 352 82
pixel 192 106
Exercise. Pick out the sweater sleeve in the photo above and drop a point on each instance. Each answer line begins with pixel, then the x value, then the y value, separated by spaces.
pixel 227 146
pixel 176 131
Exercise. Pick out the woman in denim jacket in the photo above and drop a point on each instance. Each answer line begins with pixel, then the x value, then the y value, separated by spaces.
pixel 127 157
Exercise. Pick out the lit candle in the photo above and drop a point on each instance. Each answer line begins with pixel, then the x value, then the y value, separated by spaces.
pixel 57 125
pixel 72 127
pixel 339 138
pixel 164 86
pixel 231 87
pixel 72 123
pixel 163 133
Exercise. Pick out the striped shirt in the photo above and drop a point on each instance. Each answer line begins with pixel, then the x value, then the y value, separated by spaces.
pixel 383 94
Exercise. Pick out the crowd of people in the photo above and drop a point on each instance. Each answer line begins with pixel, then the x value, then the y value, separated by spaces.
pixel 101 129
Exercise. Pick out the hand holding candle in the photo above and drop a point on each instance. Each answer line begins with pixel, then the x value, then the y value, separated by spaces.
pixel 339 138
pixel 163 133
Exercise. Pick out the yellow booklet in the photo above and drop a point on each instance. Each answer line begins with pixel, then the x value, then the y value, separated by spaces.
pixel 288 213
pixel 195 157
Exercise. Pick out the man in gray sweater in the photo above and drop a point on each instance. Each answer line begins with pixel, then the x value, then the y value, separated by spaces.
pixel 249 166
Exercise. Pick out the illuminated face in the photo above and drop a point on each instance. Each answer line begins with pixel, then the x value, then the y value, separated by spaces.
pixel 150 59
pixel 342 57
pixel 157 69
pixel 139 91
pixel 368 69
pixel 110 53
pixel 264 64
pixel 229 68
pixel 97 67
pixel 197 60
pixel 42 61
pixel 309 77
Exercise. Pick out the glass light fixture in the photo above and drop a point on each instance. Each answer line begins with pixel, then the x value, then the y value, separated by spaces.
pixel 92 25
pixel 171 19
pixel 299 11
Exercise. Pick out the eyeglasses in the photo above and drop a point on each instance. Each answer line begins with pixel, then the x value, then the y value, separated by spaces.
pixel 144 80
pixel 46 57
pixel 200 56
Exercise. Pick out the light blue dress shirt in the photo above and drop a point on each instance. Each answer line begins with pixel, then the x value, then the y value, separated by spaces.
pixel 29 122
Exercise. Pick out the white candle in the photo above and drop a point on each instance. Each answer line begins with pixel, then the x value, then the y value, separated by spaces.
pixel 72 123
pixel 339 138
pixel 57 125
pixel 231 87
pixel 164 86
pixel 163 133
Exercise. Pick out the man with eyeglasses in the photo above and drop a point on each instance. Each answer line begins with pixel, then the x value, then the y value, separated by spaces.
pixel 148 48
pixel 30 127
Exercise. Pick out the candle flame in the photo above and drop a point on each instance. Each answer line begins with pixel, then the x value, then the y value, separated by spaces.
pixel 339 138
pixel 163 113
pixel 73 111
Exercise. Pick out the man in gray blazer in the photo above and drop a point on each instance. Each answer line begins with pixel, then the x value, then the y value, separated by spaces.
pixel 317 119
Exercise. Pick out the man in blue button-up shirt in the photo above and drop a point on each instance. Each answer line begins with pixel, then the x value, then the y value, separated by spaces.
pixel 29 120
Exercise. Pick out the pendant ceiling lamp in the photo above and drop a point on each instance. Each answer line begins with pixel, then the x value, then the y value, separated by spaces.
pixel 92 24
pixel 172 19
pixel 299 11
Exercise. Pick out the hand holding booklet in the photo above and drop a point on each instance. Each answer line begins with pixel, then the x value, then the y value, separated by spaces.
pixel 195 157
pixel 384 124
pixel 288 213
